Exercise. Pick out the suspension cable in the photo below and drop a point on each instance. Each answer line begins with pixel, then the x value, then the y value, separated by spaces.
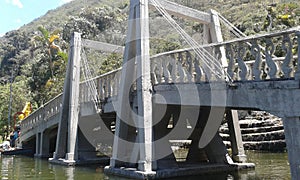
pixel 209 60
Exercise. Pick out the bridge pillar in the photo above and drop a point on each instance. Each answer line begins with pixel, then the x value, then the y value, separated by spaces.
pixel 137 50
pixel 38 144
pixel 42 144
pixel 68 123
pixel 292 134
pixel 238 152
pixel 213 34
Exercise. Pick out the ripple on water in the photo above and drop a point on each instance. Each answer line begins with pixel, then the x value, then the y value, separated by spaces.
pixel 268 166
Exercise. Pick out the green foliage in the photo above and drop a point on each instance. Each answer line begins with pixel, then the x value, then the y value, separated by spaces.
pixel 98 23
pixel 20 95
pixel 161 45
pixel 282 16
pixel 49 68
pixel 112 62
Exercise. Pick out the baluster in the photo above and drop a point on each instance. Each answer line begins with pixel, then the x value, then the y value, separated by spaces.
pixel 198 72
pixel 166 70
pixel 231 63
pixel 160 71
pixel 221 65
pixel 243 73
pixel 112 80
pixel 287 63
pixel 104 87
pixel 82 92
pixel 189 63
pixel 271 65
pixel 153 73
pixel 174 68
pixel 99 87
pixel 116 83
pixel 90 91
pixel 180 68
pixel 108 86
pixel 250 72
pixel 112 84
pixel 297 74
pixel 257 66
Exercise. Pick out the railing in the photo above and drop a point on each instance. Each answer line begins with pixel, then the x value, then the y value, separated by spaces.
pixel 245 63
pixel 42 114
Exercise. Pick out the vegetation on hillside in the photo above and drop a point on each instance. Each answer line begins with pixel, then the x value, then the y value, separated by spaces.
pixel 35 56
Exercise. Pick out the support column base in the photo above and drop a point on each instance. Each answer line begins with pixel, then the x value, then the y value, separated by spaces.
pixel 61 161
pixel 188 170
pixel 144 166
pixel 242 158
pixel 68 161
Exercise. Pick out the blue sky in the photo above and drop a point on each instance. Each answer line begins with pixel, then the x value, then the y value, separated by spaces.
pixel 16 13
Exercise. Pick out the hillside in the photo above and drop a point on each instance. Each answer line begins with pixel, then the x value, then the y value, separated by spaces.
pixel 38 70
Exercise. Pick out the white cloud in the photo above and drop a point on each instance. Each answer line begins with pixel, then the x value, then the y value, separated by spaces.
pixel 18 21
pixel 2 34
pixel 65 1
pixel 15 3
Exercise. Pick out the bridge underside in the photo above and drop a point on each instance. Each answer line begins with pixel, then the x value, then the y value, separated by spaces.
pixel 195 102
pixel 176 131
pixel 281 98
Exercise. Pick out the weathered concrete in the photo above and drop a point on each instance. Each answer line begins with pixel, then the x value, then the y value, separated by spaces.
pixel 136 50
pixel 238 152
pixel 184 170
pixel 185 12
pixel 243 95
pixel 292 134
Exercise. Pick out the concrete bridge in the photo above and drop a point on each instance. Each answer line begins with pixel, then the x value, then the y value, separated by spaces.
pixel 130 117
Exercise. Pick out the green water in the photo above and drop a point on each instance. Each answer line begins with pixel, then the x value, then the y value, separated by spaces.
pixel 268 166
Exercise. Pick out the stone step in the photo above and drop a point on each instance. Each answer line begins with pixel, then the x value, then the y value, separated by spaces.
pixel 261 129
pixel 257 123
pixel 267 136
pixel 271 146
pixel 225 130
pixel 225 137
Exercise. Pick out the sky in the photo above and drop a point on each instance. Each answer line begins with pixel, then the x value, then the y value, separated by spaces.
pixel 16 13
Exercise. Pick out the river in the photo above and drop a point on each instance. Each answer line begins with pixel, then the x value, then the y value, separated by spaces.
pixel 268 166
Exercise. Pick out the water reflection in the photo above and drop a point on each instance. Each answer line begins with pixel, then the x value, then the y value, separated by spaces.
pixel 268 166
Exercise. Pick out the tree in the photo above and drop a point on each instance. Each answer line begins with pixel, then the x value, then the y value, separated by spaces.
pixel 48 66
pixel 47 41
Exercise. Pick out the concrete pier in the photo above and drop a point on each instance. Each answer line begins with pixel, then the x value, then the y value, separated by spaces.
pixel 292 136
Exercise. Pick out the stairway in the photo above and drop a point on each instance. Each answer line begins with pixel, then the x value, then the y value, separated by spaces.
pixel 260 131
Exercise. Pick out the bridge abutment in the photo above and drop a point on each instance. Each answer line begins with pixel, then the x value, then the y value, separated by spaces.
pixel 292 134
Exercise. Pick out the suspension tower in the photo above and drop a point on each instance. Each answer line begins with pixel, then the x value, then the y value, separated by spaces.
pixel 136 152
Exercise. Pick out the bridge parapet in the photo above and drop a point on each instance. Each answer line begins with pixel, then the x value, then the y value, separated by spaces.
pixel 260 57
pixel 106 85
pixel 263 57
pixel 42 114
